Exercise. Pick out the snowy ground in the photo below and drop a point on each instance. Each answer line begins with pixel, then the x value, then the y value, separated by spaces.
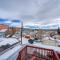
pixel 4 41
pixel 47 46
pixel 39 44
pixel 24 41
pixel 12 53
pixel 51 42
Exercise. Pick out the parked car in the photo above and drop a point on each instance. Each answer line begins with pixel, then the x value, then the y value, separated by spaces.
pixel 31 41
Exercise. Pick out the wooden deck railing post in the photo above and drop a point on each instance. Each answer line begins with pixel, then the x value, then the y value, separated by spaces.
pixel 56 56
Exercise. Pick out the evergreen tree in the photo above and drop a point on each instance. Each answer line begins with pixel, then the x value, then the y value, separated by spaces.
pixel 58 31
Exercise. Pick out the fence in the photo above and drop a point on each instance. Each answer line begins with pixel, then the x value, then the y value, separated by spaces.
pixel 28 52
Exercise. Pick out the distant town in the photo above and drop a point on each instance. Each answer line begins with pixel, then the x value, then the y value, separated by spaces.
pixel 29 29
pixel 12 36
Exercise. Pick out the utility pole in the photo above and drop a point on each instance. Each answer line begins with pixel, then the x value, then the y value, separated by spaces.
pixel 21 31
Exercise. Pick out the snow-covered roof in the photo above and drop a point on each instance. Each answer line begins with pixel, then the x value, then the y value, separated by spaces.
pixel 5 41
pixel 11 54
pixel 3 30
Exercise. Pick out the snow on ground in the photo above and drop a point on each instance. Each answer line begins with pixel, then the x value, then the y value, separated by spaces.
pixel 10 41
pixel 11 54
pixel 51 42
pixel 25 41
pixel 39 44
pixel 47 46
pixel 4 41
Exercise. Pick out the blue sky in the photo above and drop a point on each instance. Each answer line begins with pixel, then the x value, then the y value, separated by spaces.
pixel 12 23
pixel 31 12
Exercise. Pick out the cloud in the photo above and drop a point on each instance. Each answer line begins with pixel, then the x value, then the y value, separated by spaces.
pixel 30 8
pixel 39 12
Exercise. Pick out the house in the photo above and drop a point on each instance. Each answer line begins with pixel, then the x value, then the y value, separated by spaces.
pixel 3 32
pixel 3 26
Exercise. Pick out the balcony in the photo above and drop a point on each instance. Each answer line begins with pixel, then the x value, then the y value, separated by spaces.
pixel 36 53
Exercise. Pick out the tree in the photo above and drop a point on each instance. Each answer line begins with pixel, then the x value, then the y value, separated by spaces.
pixel 58 31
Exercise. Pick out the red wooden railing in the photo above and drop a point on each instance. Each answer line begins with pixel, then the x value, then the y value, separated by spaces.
pixel 41 53
pixel 56 56
pixel 22 54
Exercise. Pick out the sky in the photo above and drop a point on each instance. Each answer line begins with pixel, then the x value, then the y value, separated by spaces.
pixel 44 13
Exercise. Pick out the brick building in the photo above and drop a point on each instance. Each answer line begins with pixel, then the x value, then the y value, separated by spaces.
pixel 3 26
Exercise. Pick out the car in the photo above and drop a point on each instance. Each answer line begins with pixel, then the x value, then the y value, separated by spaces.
pixel 31 41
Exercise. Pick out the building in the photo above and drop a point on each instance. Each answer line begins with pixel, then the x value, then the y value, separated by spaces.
pixel 3 26
pixel 3 32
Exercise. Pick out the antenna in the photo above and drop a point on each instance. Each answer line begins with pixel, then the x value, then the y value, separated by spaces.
pixel 21 31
